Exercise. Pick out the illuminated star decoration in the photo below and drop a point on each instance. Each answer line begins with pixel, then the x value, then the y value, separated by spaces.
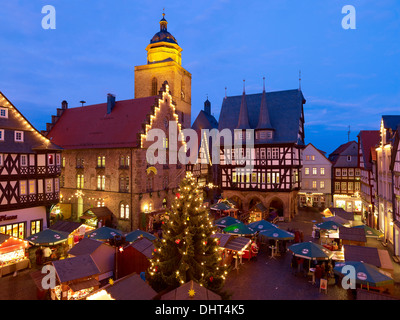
pixel 111 281
pixel 192 293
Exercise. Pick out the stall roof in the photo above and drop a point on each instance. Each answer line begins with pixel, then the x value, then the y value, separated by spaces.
pixel 3 237
pixel 145 246
pixel 85 246
pixel 182 293
pixel 75 268
pixel 364 254
pixel 90 283
pixel 66 226
pixel 237 243
pixel 130 287
pixel 342 213
pixel 99 212
pixel 352 234
pixel 223 238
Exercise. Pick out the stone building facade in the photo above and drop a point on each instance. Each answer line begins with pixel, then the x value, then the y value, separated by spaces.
pixel 104 161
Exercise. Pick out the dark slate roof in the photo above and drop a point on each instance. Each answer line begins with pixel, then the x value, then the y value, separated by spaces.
pixel 75 268
pixel 85 246
pixel 339 156
pixel 204 121
pixel 131 287
pixel 352 234
pixel 363 254
pixel 391 122
pixel 285 110
pixel 67 226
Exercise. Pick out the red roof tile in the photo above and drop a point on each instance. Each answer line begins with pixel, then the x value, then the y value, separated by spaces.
pixel 91 126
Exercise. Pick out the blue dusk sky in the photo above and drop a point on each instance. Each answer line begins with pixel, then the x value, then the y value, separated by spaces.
pixel 349 77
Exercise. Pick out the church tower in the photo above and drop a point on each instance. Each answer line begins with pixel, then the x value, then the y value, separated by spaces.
pixel 164 62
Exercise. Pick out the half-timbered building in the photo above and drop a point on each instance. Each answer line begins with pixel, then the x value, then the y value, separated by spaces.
pixel 346 181
pixel 30 166
pixel 275 123
pixel 368 140
pixel 395 169
pixel 384 196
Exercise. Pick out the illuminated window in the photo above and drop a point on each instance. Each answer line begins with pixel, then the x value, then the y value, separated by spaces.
pixel 49 185
pixel 314 171
pixel 22 188
pixel 322 171
pixel 32 186
pixel 306 171
pixel 322 184
pixel 124 211
pixel 101 182
pixel 79 181
pixel 314 184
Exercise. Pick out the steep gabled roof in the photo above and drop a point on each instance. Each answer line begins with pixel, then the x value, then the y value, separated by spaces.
pixel 285 110
pixel 33 139
pixel 368 139
pixel 91 126
pixel 339 156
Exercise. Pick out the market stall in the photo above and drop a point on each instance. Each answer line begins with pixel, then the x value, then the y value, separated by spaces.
pixel 134 257
pixel 377 257
pixel 233 247
pixel 76 230
pixel 224 208
pixel 138 234
pixel 102 254
pixel 367 276
pixel 257 212
pixel 190 291
pixel 104 233
pixel 225 221
pixel 262 225
pixel 276 234
pixel 239 229
pixel 97 217
pixel 13 255
pixel 130 287
pixel 77 277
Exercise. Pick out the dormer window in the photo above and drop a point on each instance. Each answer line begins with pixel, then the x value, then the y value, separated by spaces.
pixel 264 134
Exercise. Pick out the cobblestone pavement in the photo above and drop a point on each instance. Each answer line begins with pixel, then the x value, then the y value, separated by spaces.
pixel 272 279
pixel 261 279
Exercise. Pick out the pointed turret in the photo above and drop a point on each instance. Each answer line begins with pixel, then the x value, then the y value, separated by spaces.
pixel 264 120
pixel 243 122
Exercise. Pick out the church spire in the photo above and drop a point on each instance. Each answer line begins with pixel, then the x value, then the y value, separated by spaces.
pixel 263 120
pixel 243 122
pixel 163 22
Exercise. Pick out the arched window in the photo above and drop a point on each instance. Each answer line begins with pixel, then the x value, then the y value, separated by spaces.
pixel 154 88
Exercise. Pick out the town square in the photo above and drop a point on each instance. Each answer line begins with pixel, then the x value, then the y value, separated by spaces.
pixel 200 152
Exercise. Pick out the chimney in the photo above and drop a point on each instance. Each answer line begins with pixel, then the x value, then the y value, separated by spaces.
pixel 207 106
pixel 110 102
pixel 64 105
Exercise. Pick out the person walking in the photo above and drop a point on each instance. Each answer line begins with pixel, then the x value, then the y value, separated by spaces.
pixel 318 275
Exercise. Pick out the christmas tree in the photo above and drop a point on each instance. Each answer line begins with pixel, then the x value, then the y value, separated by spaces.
pixel 187 251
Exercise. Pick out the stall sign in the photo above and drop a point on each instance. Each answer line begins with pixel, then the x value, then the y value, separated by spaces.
pixel 6 218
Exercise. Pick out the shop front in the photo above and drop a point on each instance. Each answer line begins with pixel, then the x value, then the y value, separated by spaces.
pixel 23 222
pixel 13 255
